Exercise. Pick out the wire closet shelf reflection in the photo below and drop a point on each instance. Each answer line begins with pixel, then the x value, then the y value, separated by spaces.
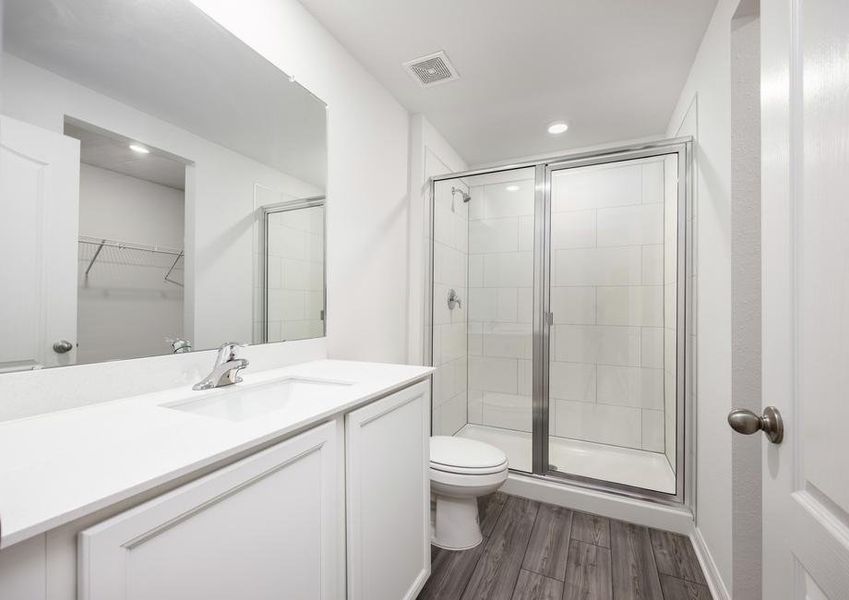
pixel 92 250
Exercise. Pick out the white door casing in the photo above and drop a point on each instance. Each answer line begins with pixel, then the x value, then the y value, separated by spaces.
pixel 805 262
pixel 39 203
pixel 264 527
pixel 388 496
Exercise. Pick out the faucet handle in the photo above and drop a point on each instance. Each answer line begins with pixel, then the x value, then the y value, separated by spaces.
pixel 227 352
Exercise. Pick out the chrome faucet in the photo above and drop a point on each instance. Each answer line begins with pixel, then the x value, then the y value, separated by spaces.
pixel 226 369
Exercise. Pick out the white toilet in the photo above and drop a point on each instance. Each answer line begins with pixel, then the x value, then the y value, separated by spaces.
pixel 461 470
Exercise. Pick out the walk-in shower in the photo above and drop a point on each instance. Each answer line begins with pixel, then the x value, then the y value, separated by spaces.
pixel 558 315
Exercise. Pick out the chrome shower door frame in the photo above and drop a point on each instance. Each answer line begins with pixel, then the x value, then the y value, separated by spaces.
pixel 264 212
pixel 685 440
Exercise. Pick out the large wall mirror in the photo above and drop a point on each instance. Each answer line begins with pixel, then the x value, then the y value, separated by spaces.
pixel 162 186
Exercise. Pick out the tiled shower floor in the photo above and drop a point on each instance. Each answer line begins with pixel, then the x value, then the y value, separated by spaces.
pixel 639 468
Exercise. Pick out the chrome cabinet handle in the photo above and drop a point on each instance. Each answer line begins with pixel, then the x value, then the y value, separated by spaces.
pixel 746 422
pixel 62 346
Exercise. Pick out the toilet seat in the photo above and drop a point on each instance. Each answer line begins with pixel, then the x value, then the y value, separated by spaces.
pixel 465 481
pixel 461 456
pixel 468 471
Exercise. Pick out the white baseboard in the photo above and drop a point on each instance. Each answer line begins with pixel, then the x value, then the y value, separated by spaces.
pixel 659 516
pixel 714 579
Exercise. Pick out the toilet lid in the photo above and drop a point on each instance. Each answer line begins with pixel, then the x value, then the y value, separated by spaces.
pixel 462 453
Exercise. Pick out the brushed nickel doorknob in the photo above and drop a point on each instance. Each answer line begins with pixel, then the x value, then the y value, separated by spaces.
pixel 62 346
pixel 746 422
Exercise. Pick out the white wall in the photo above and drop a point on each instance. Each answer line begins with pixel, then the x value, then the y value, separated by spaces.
pixel 703 112
pixel 746 297
pixel 367 187
pixel 125 307
pixel 129 209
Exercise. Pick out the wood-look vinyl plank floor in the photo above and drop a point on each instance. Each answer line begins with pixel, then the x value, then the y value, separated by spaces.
pixel 549 543
pixel 591 529
pixel 536 551
pixel 450 573
pixel 497 571
pixel 533 586
pixel 675 556
pixel 678 589
pixel 635 575
pixel 588 573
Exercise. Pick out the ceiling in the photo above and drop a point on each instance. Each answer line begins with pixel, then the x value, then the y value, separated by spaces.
pixel 169 59
pixel 612 69
pixel 113 153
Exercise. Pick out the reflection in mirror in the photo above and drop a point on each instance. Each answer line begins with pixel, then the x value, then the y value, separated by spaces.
pixel 131 247
pixel 293 255
pixel 139 143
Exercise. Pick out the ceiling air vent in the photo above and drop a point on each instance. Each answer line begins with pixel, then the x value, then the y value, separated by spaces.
pixel 432 69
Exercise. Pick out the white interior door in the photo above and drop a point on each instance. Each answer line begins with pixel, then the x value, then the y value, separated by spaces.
pixel 39 204
pixel 805 175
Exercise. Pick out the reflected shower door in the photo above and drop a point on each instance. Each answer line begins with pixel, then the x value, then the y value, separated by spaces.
pixel 612 298
pixel 294 282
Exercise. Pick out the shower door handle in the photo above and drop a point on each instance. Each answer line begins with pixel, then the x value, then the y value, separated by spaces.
pixel 746 422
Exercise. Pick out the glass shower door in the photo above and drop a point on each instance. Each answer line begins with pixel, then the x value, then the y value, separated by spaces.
pixel 483 310
pixel 612 302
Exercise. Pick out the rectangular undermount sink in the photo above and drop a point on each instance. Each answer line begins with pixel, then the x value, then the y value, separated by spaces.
pixel 241 402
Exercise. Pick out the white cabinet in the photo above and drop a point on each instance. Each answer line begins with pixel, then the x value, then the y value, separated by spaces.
pixel 388 496
pixel 267 526
pixel 270 526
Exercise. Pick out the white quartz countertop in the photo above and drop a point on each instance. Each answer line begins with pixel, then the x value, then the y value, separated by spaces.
pixel 60 466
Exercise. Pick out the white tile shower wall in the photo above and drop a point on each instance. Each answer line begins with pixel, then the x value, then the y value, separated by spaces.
pixel 450 327
pixel 501 267
pixel 607 296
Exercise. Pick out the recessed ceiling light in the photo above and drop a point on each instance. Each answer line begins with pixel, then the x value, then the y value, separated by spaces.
pixel 512 188
pixel 557 128
pixel 139 148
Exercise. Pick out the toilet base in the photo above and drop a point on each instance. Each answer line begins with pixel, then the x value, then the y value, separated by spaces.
pixel 456 525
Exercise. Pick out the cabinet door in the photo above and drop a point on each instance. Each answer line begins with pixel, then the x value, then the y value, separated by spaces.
pixel 265 527
pixel 388 499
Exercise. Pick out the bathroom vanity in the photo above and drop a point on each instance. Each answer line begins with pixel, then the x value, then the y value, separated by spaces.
pixel 308 481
